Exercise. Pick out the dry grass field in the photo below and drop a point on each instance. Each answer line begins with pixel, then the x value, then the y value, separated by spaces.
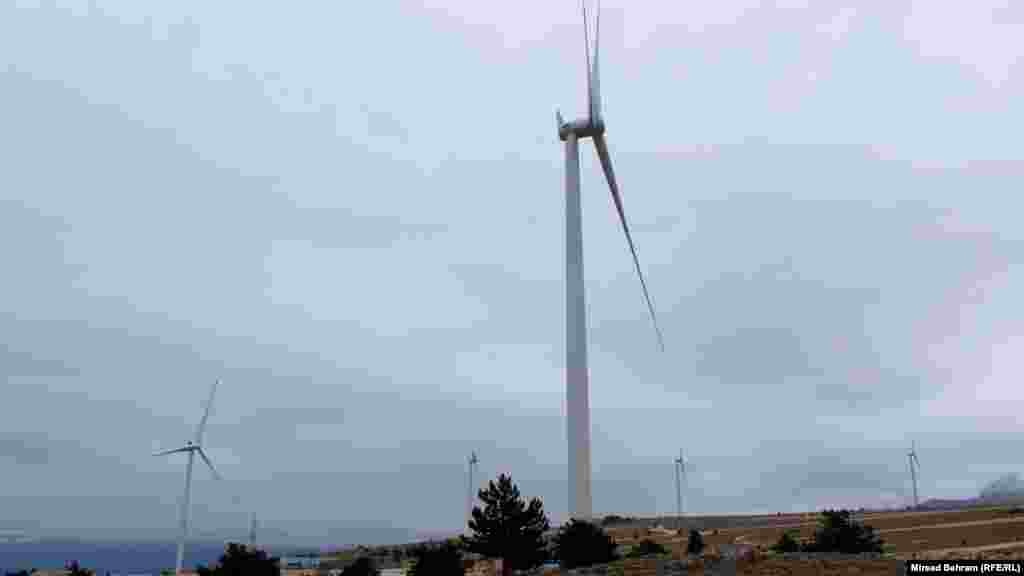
pixel 983 533
pixel 989 533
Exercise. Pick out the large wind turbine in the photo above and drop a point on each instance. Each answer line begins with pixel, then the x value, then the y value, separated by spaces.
pixel 915 466
pixel 191 448
pixel 577 394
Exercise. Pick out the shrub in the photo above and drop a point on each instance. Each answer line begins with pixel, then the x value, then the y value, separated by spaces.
pixel 74 569
pixel 363 566
pixel 695 544
pixel 838 532
pixel 238 559
pixel 583 544
pixel 438 560
pixel 647 547
pixel 787 542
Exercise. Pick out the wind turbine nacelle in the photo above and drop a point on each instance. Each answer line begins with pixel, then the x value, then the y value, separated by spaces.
pixel 583 128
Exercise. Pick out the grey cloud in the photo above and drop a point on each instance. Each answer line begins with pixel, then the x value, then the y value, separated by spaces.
pixel 16 364
pixel 24 451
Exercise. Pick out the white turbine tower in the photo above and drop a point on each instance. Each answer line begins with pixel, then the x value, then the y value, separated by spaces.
pixel 577 394
pixel 681 466
pixel 191 448
pixel 473 461
pixel 915 466
pixel 252 530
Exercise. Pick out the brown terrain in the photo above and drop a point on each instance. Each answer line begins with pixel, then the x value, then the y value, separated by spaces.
pixel 986 533
pixel 743 542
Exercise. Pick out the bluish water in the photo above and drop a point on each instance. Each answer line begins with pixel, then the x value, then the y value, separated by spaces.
pixel 104 557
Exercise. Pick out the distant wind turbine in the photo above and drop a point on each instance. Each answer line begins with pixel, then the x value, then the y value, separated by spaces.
pixel 252 530
pixel 191 448
pixel 473 461
pixel 577 379
pixel 681 466
pixel 915 467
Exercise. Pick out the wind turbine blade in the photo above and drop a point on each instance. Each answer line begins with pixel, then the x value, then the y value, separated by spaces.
pixel 175 451
pixel 206 414
pixel 606 164
pixel 586 42
pixel 208 463
pixel 595 96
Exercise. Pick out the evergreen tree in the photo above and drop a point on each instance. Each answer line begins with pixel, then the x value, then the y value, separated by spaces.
pixel 240 560
pixel 507 527
pixel 583 544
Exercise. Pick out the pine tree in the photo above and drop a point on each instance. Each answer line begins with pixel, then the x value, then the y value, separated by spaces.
pixel 507 527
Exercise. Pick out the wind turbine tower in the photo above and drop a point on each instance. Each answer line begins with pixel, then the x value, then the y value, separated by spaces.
pixel 679 462
pixel 192 447
pixel 252 530
pixel 473 461
pixel 576 374
pixel 915 466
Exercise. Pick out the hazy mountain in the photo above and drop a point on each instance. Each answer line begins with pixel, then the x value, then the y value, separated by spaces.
pixel 1006 486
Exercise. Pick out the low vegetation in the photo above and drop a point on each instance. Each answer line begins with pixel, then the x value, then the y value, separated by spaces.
pixel 583 544
pixel 238 560
pixel 647 547
pixel 695 543
pixel 839 532
pixel 787 542
pixel 73 569
pixel 443 559
pixel 363 566
pixel 507 526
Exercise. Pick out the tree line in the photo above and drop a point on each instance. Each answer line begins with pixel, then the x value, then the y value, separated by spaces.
pixel 508 526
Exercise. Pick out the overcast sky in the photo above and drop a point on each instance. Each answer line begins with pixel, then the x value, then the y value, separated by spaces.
pixel 352 213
